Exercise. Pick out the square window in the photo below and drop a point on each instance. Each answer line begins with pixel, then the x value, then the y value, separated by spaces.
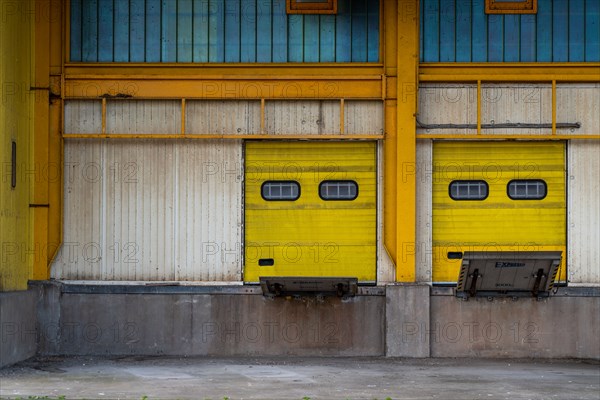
pixel 311 6
pixel 510 6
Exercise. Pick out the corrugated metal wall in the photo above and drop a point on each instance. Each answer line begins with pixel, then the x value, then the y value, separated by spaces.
pixel 424 211
pixel 583 222
pixel 289 117
pixel 444 103
pixel 460 31
pixel 230 31
pixel 151 210
pixel 450 103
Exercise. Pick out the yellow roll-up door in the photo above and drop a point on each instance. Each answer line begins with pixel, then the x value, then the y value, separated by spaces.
pixel 310 209
pixel 508 196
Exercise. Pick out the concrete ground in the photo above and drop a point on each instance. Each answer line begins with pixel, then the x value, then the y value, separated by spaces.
pixel 299 378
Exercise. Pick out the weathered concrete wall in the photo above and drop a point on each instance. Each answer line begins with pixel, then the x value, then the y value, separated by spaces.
pixel 18 333
pixel 406 311
pixel 556 327
pixel 400 320
pixel 215 324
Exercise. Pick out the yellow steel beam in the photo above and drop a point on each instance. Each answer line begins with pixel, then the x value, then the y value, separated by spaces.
pixel 408 56
pixel 221 136
pixel 366 87
pixel 507 136
pixel 509 72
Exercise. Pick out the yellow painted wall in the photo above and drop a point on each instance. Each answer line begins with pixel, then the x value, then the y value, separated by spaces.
pixel 16 124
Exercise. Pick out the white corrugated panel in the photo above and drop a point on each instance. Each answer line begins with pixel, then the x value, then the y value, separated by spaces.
pixel 222 117
pixel 304 117
pixel 423 246
pixel 444 103
pixel 151 210
pixel 143 116
pixel 578 102
pixel 83 116
pixel 516 103
pixel 363 117
pixel 583 224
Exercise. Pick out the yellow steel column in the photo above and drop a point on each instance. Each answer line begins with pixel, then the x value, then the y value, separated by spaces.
pixel 45 201
pixel 41 81
pixel 390 40
pixel 408 58
pixel 55 159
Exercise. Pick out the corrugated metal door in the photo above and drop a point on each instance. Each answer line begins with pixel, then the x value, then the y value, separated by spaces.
pixel 310 209
pixel 496 196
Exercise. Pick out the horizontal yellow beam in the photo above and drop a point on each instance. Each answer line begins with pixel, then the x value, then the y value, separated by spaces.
pixel 506 137
pixel 509 72
pixel 224 136
pixel 330 87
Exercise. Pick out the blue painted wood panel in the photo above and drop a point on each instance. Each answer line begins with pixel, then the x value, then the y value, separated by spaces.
pixel 89 30
pixel 152 20
pixel 75 43
pixel 105 30
pixel 460 31
pixel 463 30
pixel 592 30
pixel 448 27
pixel 137 31
pixel 121 31
pixel 221 31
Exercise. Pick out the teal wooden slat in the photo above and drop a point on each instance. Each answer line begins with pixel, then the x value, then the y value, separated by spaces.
pixel 479 28
pixel 152 40
pixel 184 30
pixel 576 31
pixel 544 31
pixel 279 52
pixel 421 30
pixel 121 21
pixel 295 36
pixel 431 20
pixel 512 25
pixel 248 31
pixel 373 31
pixel 89 31
pixel 311 38
pixel 168 37
pixel 200 31
pixel 560 31
pixel 447 31
pixel 75 37
pixel 264 43
pixel 216 31
pixel 232 31
pixel 463 30
pixel 343 34
pixel 105 30
pixel 137 33
pixel 528 47
pixel 327 38
pixel 592 31
pixel 495 38
pixel 359 30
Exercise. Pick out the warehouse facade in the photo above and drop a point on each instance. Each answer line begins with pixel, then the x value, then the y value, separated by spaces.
pixel 170 154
